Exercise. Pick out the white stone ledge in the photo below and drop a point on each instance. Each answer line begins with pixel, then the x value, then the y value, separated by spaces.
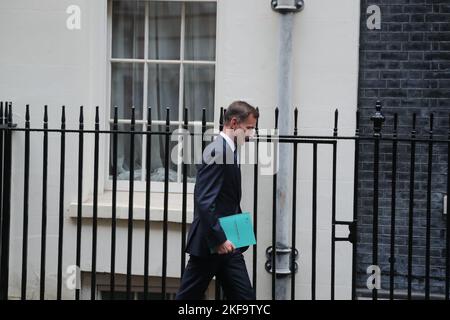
pixel 104 204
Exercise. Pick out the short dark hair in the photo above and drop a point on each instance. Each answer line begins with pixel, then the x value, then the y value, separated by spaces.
pixel 241 110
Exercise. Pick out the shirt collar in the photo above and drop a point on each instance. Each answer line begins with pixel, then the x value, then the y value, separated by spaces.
pixel 228 140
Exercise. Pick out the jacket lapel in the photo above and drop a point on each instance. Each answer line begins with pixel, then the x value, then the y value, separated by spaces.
pixel 236 170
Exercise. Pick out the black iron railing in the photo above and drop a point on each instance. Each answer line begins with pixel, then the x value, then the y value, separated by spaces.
pixel 8 130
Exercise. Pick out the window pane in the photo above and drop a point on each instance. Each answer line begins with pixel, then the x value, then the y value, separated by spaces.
pixel 127 85
pixel 158 152
pixel 200 31
pixel 163 90
pixel 199 91
pixel 124 154
pixel 164 30
pixel 194 157
pixel 128 24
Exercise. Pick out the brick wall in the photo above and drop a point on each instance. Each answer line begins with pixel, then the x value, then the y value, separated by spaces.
pixel 406 65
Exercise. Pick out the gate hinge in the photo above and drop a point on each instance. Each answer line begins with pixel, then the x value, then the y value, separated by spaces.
pixel 351 228
pixel 352 232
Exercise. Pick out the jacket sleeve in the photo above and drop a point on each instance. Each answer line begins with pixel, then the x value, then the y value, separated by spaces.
pixel 210 179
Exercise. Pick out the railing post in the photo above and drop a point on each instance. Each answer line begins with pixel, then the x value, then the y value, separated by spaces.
pixel 353 228
pixel 1 170
pixel 6 204
pixel 378 119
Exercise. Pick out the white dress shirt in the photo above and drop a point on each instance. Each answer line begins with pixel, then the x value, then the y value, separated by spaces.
pixel 231 144
pixel 228 140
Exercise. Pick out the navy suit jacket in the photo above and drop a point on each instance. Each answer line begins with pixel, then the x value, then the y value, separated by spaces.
pixel 217 194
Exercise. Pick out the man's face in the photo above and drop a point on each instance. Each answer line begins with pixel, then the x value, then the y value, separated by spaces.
pixel 244 130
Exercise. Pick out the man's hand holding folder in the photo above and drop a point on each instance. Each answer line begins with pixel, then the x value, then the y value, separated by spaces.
pixel 225 247
pixel 238 229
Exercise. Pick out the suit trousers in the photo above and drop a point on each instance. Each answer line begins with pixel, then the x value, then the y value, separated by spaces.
pixel 230 271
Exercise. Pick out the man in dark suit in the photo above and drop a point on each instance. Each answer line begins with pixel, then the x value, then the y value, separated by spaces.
pixel 218 194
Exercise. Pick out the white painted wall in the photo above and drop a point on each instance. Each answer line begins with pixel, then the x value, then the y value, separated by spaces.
pixel 41 62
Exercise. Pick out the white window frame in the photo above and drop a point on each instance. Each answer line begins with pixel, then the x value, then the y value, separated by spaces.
pixel 156 186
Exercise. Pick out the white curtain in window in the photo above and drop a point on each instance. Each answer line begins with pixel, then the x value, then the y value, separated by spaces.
pixel 163 79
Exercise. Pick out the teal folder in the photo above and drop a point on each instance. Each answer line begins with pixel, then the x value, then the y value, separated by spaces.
pixel 239 229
